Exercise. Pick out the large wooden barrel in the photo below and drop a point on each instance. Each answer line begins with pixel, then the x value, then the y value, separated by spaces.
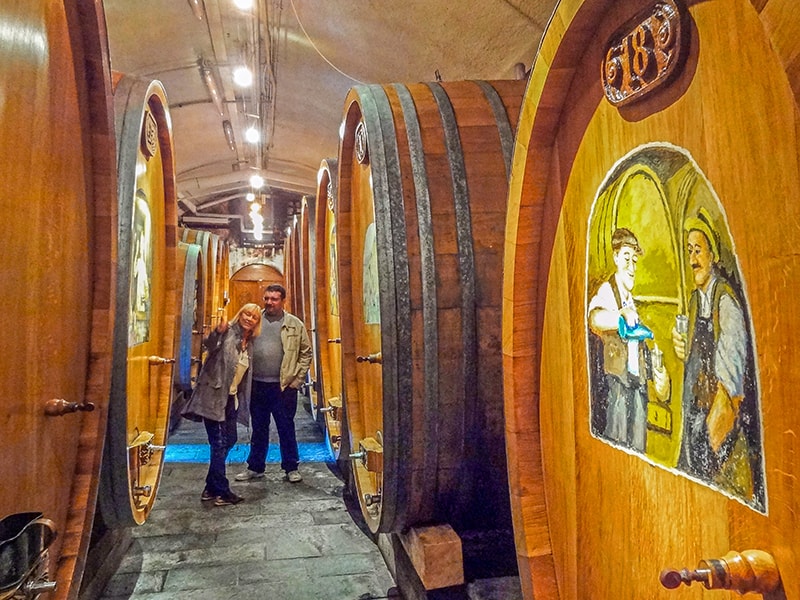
pixel 189 337
pixel 222 282
pixel 291 268
pixel 422 203
pixel 656 158
pixel 327 335
pixel 57 280
pixel 212 251
pixel 146 304
pixel 307 258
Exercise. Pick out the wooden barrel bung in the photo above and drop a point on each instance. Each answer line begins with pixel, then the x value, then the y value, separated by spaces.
pixel 59 245
pixel 422 201
pixel 146 301
pixel 633 191
pixel 327 334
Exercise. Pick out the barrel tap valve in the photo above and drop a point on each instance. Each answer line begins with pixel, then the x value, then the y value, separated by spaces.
pixel 746 571
pixel 58 407
pixel 370 499
pixel 160 360
pixel 376 358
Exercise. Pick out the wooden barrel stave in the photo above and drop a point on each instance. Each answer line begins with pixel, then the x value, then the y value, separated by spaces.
pixel 429 301
pixel 569 137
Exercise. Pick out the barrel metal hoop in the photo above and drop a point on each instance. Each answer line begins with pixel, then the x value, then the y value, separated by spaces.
pixel 466 251
pixel 430 324
pixel 503 124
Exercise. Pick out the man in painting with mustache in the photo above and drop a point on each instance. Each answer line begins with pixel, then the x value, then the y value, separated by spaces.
pixel 627 363
pixel 715 353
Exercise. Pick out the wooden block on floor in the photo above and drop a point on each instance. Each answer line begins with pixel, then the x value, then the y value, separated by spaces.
pixel 435 553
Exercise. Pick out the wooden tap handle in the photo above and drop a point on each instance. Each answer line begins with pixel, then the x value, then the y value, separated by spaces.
pixel 746 571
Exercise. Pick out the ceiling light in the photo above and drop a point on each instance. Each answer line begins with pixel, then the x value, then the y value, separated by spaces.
pixel 256 182
pixel 250 196
pixel 243 4
pixel 252 135
pixel 242 76
pixel 255 207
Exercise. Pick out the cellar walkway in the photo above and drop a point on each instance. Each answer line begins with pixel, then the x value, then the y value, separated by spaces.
pixel 286 541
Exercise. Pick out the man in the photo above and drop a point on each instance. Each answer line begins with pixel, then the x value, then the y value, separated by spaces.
pixel 626 362
pixel 715 352
pixel 281 359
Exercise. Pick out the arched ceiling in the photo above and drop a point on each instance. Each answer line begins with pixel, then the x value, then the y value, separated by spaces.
pixel 306 55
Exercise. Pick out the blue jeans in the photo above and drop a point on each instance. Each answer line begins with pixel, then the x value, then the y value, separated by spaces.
pixel 221 438
pixel 267 399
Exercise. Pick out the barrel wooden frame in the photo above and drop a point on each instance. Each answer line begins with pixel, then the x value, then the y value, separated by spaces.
pixel 327 333
pixel 141 385
pixel 565 548
pixel 57 288
pixel 417 414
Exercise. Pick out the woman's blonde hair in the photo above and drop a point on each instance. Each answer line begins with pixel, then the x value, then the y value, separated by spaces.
pixel 253 309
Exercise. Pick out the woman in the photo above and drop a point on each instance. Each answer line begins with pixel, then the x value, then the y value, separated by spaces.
pixel 223 383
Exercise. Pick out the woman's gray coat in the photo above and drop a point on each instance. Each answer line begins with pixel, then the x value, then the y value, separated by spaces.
pixel 211 393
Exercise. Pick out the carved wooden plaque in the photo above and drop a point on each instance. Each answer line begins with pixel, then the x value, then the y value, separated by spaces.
pixel 642 57
pixel 149 135
pixel 362 154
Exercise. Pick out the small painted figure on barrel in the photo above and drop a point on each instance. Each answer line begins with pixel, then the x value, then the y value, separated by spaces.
pixel 223 386
pixel 719 411
pixel 624 363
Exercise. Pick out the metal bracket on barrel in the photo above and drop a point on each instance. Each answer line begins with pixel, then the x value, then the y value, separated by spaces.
pixel 24 542
pixel 370 453
pixel 141 451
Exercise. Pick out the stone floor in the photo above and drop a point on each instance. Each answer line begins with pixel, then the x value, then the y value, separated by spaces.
pixel 284 542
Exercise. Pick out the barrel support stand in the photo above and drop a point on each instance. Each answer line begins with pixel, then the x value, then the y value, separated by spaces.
pixel 426 562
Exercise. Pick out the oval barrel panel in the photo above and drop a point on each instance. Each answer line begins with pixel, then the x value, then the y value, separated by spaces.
pixel 59 236
pixel 421 208
pixel 307 283
pixel 327 336
pixel 144 332
pixel 650 279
